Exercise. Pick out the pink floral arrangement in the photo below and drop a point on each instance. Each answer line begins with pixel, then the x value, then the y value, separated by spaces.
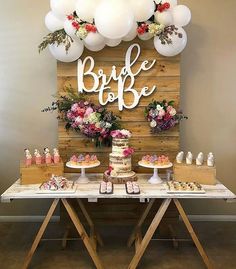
pixel 121 134
pixel 93 121
pixel 162 115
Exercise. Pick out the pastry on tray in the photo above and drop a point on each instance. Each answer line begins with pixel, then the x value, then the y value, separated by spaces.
pixel 106 187
pixel 154 160
pixel 56 183
pixel 132 187
pixel 83 160
pixel 176 186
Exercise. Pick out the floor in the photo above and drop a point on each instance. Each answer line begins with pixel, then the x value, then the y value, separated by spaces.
pixel 218 239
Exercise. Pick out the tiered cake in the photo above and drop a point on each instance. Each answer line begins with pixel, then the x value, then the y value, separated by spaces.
pixel 120 167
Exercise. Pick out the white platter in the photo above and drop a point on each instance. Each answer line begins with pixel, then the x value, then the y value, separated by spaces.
pixel 72 189
pixel 140 163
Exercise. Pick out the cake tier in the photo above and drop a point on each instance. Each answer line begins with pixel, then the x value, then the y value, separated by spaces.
pixel 120 163
pixel 119 145
pixel 120 177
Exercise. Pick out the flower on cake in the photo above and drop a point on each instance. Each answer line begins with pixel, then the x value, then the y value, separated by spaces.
pixel 128 152
pixel 162 115
pixel 121 134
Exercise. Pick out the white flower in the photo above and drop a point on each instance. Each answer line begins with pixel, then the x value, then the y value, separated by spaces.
pixel 172 112
pixel 159 107
pixel 125 133
pixel 93 118
pixel 108 125
pixel 82 33
pixel 153 124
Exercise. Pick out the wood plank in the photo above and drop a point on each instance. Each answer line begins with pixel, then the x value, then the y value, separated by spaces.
pixel 137 128
pixel 139 144
pixel 164 84
pixel 162 68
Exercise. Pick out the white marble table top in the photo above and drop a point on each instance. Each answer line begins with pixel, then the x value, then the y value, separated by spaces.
pixel 91 191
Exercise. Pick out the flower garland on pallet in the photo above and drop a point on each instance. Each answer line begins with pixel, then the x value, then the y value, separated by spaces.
pixel 162 116
pixel 83 116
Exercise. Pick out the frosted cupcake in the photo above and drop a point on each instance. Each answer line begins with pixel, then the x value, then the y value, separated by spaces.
pixel 74 160
pixel 48 157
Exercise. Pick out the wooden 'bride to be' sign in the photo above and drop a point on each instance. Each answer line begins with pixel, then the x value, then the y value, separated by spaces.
pixel 125 79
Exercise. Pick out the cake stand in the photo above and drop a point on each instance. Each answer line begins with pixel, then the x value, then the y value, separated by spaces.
pixel 155 179
pixel 82 178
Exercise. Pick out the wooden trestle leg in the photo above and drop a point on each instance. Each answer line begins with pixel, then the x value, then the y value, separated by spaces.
pixel 192 234
pixel 137 228
pixel 79 227
pixel 95 236
pixel 40 234
pixel 149 234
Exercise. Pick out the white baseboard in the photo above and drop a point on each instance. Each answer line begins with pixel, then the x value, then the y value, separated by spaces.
pixel 27 218
pixel 226 218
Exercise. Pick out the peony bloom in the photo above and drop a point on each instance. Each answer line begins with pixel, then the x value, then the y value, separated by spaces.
pixel 153 124
pixel 74 107
pixel 161 113
pixel 88 111
pixel 159 107
pixel 172 112
pixel 79 120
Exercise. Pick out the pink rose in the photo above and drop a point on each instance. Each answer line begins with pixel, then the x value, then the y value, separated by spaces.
pixel 74 107
pixel 161 113
pixel 88 111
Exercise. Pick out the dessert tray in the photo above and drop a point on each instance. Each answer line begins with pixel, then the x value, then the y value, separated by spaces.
pixel 57 185
pixel 106 187
pixel 184 187
pixel 155 179
pixel 132 187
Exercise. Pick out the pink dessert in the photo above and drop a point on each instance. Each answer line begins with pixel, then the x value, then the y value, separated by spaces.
pixel 38 160
pixel 28 161
pixel 48 159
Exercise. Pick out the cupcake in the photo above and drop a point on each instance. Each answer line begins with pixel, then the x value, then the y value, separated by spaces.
pixel 74 160
pixel 48 157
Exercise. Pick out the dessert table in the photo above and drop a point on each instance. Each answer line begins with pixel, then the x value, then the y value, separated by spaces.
pixel 90 191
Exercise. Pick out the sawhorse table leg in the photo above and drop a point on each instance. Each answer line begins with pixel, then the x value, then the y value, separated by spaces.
pixel 79 227
pixel 141 244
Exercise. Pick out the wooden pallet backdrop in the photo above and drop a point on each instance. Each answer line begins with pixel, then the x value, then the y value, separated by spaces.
pixel 165 75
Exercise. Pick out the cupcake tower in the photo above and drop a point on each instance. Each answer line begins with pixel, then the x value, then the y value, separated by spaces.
pixel 47 157
pixel 83 161
pixel 155 162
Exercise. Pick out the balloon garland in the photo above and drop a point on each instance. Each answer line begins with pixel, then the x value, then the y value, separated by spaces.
pixel 95 24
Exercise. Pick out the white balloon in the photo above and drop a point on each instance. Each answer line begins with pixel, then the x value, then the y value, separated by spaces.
pixel 94 40
pixel 112 42
pixel 95 48
pixel 172 3
pixel 177 45
pixel 69 29
pixel 85 9
pixel 132 33
pixel 181 15
pixel 143 9
pixel 62 7
pixel 164 17
pixel 53 23
pixel 75 51
pixel 113 18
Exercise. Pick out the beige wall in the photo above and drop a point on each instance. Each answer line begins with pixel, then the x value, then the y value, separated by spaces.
pixel 208 92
